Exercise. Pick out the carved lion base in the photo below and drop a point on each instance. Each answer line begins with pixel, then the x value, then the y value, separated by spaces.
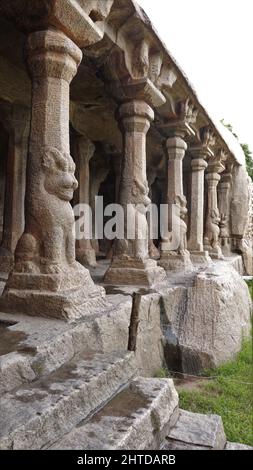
pixel 214 253
pixel 226 246
pixel 87 258
pixel 154 253
pixel 200 257
pixel 176 262
pixel 67 296
pixel 134 272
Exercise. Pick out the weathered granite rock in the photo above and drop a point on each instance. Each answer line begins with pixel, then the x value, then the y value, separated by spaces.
pixel 138 418
pixel 239 197
pixel 15 369
pixel 35 415
pixel 237 446
pixel 34 347
pixel 204 323
pixel 194 431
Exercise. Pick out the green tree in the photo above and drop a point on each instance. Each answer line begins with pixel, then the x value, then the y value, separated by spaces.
pixel 245 148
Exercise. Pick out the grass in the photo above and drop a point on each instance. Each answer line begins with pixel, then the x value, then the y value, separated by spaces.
pixel 228 395
pixel 250 286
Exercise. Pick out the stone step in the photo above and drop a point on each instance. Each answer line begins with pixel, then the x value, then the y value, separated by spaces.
pixel 139 417
pixel 33 347
pixel 237 446
pixel 195 431
pixel 35 415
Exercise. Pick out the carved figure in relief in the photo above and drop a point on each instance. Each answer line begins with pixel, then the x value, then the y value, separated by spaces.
pixel 213 230
pixel 48 242
pixel 180 201
pixel 136 215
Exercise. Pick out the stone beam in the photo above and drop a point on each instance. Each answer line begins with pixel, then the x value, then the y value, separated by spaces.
pixel 77 19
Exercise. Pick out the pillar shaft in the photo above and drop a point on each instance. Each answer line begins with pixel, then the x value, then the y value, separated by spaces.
pixel 212 230
pixel 48 244
pixel 13 224
pixel 47 280
pixel 223 204
pixel 195 242
pixel 135 118
pixel 153 251
pixel 131 263
pixel 176 148
pixel 84 152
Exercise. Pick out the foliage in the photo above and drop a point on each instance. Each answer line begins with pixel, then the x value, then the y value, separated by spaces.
pixel 245 148
pixel 162 373
pixel 229 395
pixel 248 158
pixel 250 286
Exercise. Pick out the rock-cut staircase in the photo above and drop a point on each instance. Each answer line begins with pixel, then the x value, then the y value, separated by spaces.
pixel 57 395
pixel 93 401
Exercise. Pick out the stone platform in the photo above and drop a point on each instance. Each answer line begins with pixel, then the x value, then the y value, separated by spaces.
pixel 196 320
pixel 68 295
pixel 72 385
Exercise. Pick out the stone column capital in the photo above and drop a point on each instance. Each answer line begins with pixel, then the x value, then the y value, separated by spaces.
pixel 224 185
pixel 226 180
pixel 135 116
pixel 52 54
pixel 176 148
pixel 213 178
pixel 198 164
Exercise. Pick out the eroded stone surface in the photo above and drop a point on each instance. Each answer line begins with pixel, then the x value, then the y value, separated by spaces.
pixel 237 446
pixel 138 418
pixel 204 323
pixel 36 415
pixel 197 431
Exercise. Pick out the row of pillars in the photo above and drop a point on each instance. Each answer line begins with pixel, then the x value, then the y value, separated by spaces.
pixel 51 73
pixel 84 151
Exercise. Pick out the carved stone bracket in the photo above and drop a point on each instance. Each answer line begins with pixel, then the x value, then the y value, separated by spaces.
pixel 181 123
pixel 79 20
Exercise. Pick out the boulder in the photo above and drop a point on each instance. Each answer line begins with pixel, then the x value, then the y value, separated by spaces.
pixel 205 321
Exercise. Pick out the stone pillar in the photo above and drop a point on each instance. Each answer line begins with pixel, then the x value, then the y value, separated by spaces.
pixel 98 175
pixel 85 149
pixel 212 229
pixel 195 242
pixel 174 253
pixel 131 263
pixel 18 125
pixel 224 209
pixel 116 162
pixel 47 281
pixel 153 251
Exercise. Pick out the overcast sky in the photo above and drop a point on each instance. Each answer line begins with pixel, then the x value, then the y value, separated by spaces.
pixel 212 41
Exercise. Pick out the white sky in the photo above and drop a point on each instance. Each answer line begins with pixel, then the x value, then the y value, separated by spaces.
pixel 212 41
